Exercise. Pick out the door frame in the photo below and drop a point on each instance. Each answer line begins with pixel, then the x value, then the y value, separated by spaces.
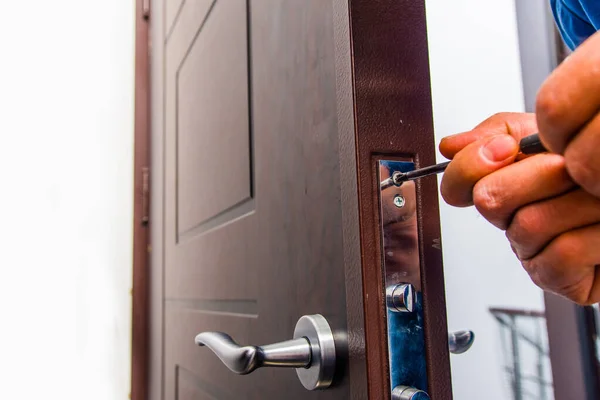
pixel 141 206
pixel 392 84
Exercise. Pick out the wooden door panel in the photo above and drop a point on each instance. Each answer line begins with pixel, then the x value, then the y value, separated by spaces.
pixel 253 228
pixel 172 10
pixel 203 370
pixel 190 387
pixel 213 141
pixel 210 267
pixel 208 184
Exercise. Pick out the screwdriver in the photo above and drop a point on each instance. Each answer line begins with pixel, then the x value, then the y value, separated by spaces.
pixel 528 145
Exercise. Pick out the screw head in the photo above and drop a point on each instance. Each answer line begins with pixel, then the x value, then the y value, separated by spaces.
pixel 399 201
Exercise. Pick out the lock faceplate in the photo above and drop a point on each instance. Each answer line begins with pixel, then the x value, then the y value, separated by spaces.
pixel 402 272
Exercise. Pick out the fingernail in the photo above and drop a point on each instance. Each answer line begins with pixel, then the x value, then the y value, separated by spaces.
pixel 499 148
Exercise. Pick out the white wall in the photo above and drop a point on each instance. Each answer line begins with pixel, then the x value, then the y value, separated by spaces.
pixel 66 146
pixel 475 72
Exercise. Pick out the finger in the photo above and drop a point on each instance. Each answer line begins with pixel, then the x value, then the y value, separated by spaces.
pixel 535 225
pixel 518 125
pixel 570 96
pixel 473 163
pixel 568 265
pixel 499 195
pixel 582 159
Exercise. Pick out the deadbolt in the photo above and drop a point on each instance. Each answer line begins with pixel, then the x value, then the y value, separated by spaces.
pixel 408 393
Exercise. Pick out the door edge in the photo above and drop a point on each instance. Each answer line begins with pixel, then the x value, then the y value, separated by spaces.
pixel 141 206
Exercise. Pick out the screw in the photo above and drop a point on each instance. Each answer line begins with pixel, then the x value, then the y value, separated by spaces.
pixel 399 201
pixel 397 178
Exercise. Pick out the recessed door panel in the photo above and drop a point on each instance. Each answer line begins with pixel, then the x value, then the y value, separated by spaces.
pixel 253 234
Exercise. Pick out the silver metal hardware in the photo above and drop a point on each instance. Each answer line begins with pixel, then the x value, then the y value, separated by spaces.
pixel 319 375
pixel 394 180
pixel 461 341
pixel 399 201
pixel 244 360
pixel 404 301
pixel 408 393
pixel 311 352
pixel 400 298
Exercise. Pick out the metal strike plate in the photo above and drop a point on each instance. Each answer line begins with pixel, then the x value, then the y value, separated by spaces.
pixel 402 274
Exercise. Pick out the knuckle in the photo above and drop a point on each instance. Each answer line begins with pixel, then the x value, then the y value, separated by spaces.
pixel 455 193
pixel 548 106
pixel 578 293
pixel 565 249
pixel 560 273
pixel 449 194
pixel 501 116
pixel 525 226
pixel 488 199
pixel 584 172
pixel 532 269
pixel 495 121
pixel 540 275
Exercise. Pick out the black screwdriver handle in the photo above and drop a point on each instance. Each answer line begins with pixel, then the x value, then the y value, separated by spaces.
pixel 532 145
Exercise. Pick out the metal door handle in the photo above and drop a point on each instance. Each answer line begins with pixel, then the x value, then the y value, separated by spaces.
pixel 243 360
pixel 460 341
pixel 311 352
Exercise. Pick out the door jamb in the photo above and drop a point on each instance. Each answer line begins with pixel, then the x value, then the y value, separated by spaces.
pixel 141 207
pixel 392 98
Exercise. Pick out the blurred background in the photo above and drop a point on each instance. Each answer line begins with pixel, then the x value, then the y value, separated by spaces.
pixel 489 57
pixel 66 169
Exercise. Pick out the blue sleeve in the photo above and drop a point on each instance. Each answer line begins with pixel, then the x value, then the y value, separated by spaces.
pixel 577 20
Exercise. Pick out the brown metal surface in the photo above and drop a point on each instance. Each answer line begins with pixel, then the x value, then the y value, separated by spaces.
pixel 394 118
pixel 140 295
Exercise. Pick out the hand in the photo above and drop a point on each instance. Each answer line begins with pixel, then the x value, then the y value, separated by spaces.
pixel 568 114
pixel 549 204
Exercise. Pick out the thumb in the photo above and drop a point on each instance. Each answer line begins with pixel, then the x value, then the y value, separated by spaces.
pixel 475 161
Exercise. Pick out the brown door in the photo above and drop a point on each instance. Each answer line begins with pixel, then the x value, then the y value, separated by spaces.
pixel 269 126
pixel 254 214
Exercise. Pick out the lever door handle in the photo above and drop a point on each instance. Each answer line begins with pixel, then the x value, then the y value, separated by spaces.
pixel 243 360
pixel 311 352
